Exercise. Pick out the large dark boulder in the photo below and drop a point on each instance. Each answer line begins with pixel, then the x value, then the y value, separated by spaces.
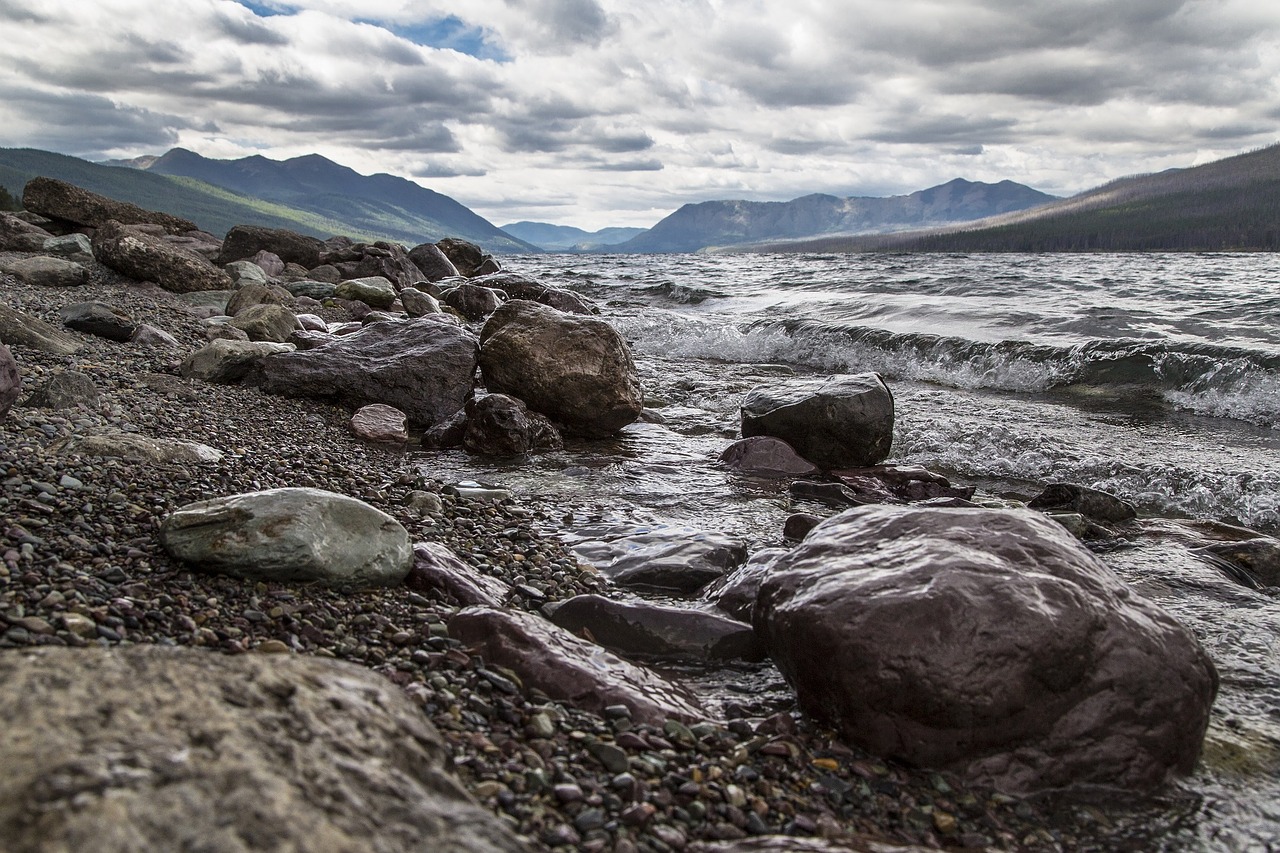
pixel 68 203
pixel 152 748
pixel 645 630
pixel 472 301
pixel 499 425
pixel 245 241
pixel 425 367
pixel 432 262
pixel 98 318
pixel 141 256
pixel 370 260
pixel 575 370
pixel 843 421
pixel 989 642
pixel 468 258
pixel 517 286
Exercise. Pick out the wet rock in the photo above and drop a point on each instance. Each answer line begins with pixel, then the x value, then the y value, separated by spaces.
pixel 570 669
pixel 446 434
pixel 989 642
pixel 472 301
pixel 418 304
pixel 1259 557
pixel 432 262
pixel 46 271
pixel 146 258
pixel 10 380
pixel 798 525
pixel 843 421
pixel 24 330
pixel 66 390
pixel 641 629
pixel 467 258
pixel 516 286
pixel 270 323
pixel 374 291
pixel 736 592
pixel 66 202
pixel 379 422
pixel 246 241
pixel 766 456
pixel 437 569
pixel 575 370
pixel 425 367
pixel 676 559
pixel 290 534
pixel 499 425
pixel 900 483
pixel 1091 503
pixel 147 748
pixel 98 318
pixel 832 494
pixel 137 448
pixel 228 361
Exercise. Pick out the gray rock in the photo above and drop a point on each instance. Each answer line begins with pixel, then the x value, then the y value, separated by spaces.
pixel 900 483
pixel 98 318
pixel 246 241
pixel 10 381
pixel 320 290
pixel 575 370
pixel 43 271
pixel 146 258
pixel 312 323
pixel 498 425
pixel 467 258
pixel 227 361
pixel 60 200
pixel 374 291
pixel 843 421
pixel 418 304
pixel 66 390
pixel 1258 556
pixel 1091 503
pixel 246 272
pixel 473 301
pixel 272 323
pixel 292 534
pixel 432 262
pixel 272 264
pixel 200 300
pixel 17 235
pixel 570 669
pixel 424 367
pixel 736 592
pixel 989 642
pixel 646 630
pixel 380 259
pixel 678 559
pixel 149 336
pixel 516 286
pixel 326 274
pixel 137 448
pixel 147 748
pixel 27 331
pixel 766 456
pixel 73 247
pixel 438 569
pixel 380 422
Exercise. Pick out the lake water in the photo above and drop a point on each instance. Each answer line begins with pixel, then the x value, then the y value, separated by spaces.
pixel 1155 377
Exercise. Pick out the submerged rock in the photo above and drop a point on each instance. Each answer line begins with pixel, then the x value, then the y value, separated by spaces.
pixel 675 559
pixel 766 456
pixel 843 421
pixel 1091 503
pixel 987 641
pixel 649 630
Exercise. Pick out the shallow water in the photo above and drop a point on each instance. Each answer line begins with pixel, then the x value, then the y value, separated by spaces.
pixel 1155 377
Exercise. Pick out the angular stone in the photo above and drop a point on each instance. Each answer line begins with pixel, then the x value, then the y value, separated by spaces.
pixel 766 456
pixel 473 301
pixel 380 422
pixel 60 200
pixel 10 381
pixel 73 247
pixel 145 258
pixel 1091 503
pixel 27 331
pixel 843 421
pixel 66 390
pixel 246 241
pixel 256 293
pixel 570 669
pixel 432 262
pixel 989 642
pixel 228 361
pixel 98 318
pixel 642 629
pixel 498 425
pixel 18 235
pixel 516 286
pixel 575 370
pixel 271 263
pixel 736 592
pixel 467 258
pixel 148 748
pixel 245 273
pixel 291 534
pixel 46 272
pixel 150 336
pixel 418 304
pixel 272 323
pixel 320 290
pixel 425 367
pixel 374 291
pixel 137 448
pixel 438 569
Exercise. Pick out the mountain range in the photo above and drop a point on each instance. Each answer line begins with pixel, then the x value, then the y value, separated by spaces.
pixel 566 238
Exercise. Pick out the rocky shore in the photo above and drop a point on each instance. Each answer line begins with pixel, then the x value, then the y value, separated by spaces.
pixel 83 567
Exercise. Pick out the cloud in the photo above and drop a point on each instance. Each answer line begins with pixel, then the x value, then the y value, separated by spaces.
pixel 57 121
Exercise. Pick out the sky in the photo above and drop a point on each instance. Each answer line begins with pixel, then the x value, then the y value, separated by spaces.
pixel 597 113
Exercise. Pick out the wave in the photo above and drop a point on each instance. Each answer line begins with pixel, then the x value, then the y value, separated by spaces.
pixel 1221 381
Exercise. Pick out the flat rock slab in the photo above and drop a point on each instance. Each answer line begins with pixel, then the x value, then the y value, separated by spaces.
pixel 570 669
pixel 24 330
pixel 138 448
pixel 147 748
pixel 438 569
pixel 47 272
pixel 294 534
pixel 678 559
pixel 646 630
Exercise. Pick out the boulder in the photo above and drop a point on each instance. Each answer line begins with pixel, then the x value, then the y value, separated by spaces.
pixel 137 448
pixel 467 258
pixel 473 301
pixel 290 534
pixel 798 525
pixel 98 318
pixel 72 247
pixel 900 484
pixel 437 569
pixel 27 331
pixel 676 559
pixel 228 361
pixel 272 264
pixel 418 304
pixel 320 290
pixel 145 258
pixel 150 748
pixel 272 323
pixel 246 241
pixel 43 271
pixel 375 260
pixel 1091 503
pixel 325 274
pixel 245 273
pixel 66 390
pixel 256 293
pixel 10 381
pixel 646 630
pixel 201 243
pixel 149 336
pixel 498 425
pixel 843 421
pixel 424 367
pixel 989 642
pixel 380 422
pixel 516 286
pixel 374 291
pixel 575 370
pixel 432 262
pixel 570 669
pixel 735 593
pixel 60 200
pixel 766 456
pixel 18 235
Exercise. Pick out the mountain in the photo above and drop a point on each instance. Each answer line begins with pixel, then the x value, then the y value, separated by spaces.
pixel 1227 205
pixel 565 238
pixel 723 223
pixel 222 194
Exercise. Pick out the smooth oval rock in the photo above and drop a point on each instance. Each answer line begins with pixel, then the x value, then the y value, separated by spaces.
pixel 47 272
pixel 290 534
pixel 766 456
pixel 677 559
pixel 374 291
pixel 380 422
pixel 842 421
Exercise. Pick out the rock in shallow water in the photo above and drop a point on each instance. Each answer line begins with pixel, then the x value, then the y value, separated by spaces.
pixel 987 641
pixel 843 421
pixel 292 534
pixel 656 631
pixel 148 748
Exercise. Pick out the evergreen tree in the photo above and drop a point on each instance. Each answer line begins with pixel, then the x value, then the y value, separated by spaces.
pixel 8 201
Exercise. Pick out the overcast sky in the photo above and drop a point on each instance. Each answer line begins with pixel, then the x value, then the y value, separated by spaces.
pixel 616 112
